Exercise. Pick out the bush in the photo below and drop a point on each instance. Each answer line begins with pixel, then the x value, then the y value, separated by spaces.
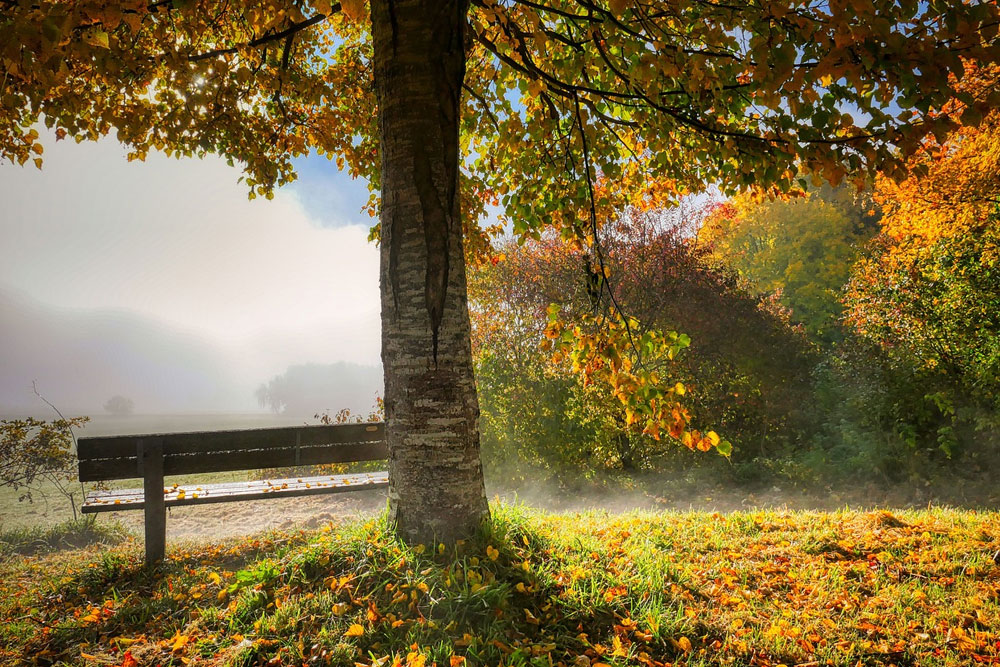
pixel 33 450
pixel 746 373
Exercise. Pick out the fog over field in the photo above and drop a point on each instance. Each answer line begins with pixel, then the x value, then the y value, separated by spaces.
pixel 159 281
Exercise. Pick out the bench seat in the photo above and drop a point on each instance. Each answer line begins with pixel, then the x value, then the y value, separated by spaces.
pixel 201 494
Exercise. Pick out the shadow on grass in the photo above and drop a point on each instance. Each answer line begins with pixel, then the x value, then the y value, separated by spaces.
pixel 356 595
pixel 74 534
pixel 524 593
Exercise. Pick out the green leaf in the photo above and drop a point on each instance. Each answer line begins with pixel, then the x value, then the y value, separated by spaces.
pixel 725 448
pixel 97 38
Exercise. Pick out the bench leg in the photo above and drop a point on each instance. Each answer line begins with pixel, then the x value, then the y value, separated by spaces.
pixel 153 506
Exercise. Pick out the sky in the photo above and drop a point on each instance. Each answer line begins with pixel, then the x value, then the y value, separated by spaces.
pixel 147 277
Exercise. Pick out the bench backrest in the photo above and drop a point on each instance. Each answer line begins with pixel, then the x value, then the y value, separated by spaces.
pixel 120 457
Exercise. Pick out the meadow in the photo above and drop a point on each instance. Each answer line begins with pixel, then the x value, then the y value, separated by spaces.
pixel 763 588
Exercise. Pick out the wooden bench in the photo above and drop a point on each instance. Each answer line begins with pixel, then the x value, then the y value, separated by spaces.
pixel 153 456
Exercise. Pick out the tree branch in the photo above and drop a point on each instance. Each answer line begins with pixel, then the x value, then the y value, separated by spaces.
pixel 265 39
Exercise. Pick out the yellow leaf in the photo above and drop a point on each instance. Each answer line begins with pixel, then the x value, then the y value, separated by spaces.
pixel 126 641
pixel 492 553
pixel 180 641
pixel 354 631
pixel 684 644
pixel 457 660
pixel 215 578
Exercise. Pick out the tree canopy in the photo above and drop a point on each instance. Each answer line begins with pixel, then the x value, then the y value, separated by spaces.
pixel 670 96
pixel 561 113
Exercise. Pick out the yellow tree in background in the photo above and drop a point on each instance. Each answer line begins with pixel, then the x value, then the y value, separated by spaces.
pixel 799 248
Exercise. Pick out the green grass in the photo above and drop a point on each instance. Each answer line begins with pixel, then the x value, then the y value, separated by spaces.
pixel 753 588
pixel 50 507
pixel 72 534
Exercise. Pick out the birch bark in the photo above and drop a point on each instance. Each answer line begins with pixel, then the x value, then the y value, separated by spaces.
pixel 435 475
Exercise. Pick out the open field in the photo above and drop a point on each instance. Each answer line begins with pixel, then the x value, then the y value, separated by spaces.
pixel 747 588
pixel 50 507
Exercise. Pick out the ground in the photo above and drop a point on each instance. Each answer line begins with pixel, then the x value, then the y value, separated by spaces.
pixel 212 522
pixel 766 588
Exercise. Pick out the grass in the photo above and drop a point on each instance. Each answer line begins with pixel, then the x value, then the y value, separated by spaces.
pixel 749 588
pixel 73 534
pixel 49 506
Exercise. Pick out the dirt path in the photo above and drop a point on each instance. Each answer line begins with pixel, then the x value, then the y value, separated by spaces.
pixel 223 520
pixel 214 522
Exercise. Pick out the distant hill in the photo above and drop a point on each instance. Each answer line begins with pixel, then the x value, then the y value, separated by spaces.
pixel 80 358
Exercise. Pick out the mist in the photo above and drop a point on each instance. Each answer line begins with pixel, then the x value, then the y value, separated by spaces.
pixel 160 282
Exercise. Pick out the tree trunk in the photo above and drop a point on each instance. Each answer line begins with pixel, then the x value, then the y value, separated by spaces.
pixel 435 473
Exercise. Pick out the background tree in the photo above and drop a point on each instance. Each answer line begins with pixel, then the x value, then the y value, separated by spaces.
pixel 119 406
pixel 799 249
pixel 745 373
pixel 558 110
pixel 306 389
pixel 928 297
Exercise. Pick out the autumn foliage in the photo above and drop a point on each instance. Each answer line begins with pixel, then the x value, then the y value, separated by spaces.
pixel 36 450
pixel 576 384
pixel 930 292
pixel 799 248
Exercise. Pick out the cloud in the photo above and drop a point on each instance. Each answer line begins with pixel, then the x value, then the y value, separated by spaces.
pixel 178 242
